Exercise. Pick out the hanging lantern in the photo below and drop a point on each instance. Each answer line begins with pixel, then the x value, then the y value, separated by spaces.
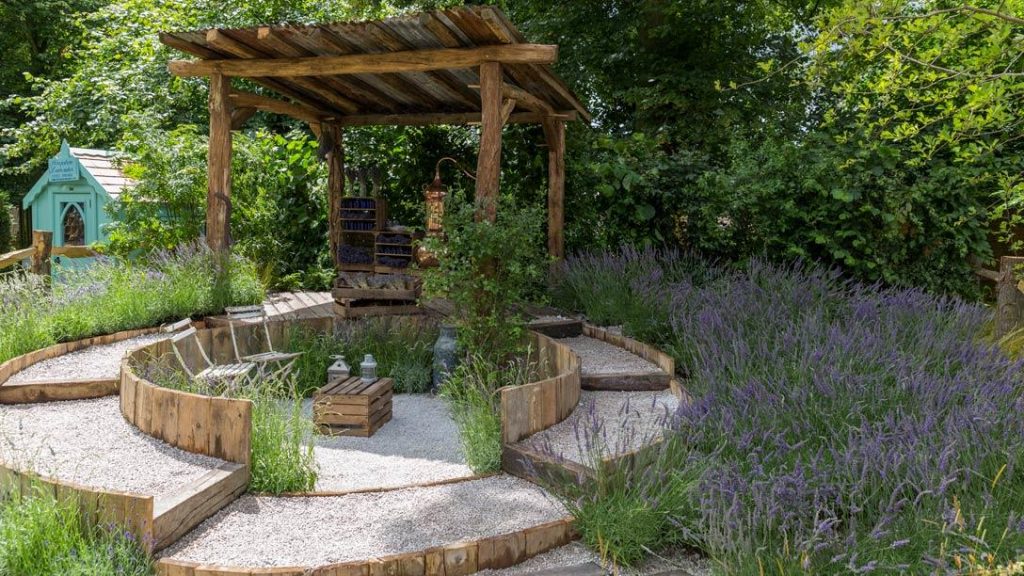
pixel 434 195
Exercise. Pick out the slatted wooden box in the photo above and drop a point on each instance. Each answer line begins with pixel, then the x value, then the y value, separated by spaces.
pixel 352 407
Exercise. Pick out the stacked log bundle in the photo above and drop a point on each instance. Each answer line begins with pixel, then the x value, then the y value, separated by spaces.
pixel 358 294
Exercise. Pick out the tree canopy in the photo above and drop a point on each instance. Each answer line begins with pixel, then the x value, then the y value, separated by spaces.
pixel 884 137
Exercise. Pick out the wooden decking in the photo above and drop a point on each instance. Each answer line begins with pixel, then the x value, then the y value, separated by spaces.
pixel 298 305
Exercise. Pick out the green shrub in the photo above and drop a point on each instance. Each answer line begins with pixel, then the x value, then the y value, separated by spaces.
pixel 282 453
pixel 41 536
pixel 6 241
pixel 487 270
pixel 472 393
pixel 403 348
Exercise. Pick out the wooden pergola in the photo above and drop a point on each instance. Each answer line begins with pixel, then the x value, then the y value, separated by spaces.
pixel 465 65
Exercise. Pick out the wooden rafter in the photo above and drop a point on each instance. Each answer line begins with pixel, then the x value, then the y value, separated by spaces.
pixel 456 118
pixel 384 63
pixel 298 111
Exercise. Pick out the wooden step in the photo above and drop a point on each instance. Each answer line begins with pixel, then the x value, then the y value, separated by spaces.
pixel 176 514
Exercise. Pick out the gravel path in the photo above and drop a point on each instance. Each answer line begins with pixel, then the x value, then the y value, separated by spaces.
pixel 420 444
pixel 599 357
pixel 88 442
pixel 559 560
pixel 616 422
pixel 266 531
pixel 94 362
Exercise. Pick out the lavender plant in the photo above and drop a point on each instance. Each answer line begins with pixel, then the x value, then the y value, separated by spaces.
pixel 843 428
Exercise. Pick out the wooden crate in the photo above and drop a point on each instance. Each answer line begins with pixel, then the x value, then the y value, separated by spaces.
pixel 352 407
pixel 364 308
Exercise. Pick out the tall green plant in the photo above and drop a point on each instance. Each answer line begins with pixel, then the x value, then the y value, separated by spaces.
pixel 487 269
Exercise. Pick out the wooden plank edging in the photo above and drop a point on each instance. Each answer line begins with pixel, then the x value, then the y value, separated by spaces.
pixel 19 363
pixel 454 559
pixel 536 406
pixel 100 507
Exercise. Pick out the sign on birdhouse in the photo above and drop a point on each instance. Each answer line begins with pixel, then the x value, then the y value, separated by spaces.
pixel 63 166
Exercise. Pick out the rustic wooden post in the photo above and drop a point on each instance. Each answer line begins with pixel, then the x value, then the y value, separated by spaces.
pixel 554 133
pixel 1009 299
pixel 218 198
pixel 488 165
pixel 335 184
pixel 42 242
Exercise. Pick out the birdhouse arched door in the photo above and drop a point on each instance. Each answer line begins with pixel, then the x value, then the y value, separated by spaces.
pixel 72 224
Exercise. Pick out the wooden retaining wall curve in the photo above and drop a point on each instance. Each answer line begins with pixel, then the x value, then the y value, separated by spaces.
pixel 212 426
pixel 530 408
pixel 50 391
pixel 455 559
pixel 133 512
pixel 645 351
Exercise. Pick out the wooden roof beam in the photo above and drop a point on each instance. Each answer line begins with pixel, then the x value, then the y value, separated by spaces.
pixel 382 63
pixel 526 99
pixel 249 100
pixel 225 43
pixel 458 118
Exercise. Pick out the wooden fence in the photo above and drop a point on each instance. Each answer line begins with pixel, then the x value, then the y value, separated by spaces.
pixel 40 252
pixel 530 408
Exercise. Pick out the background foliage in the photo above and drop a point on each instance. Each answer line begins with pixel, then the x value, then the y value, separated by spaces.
pixel 884 137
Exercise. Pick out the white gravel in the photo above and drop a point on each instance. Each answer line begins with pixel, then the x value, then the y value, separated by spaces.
pixel 420 444
pixel 312 531
pixel 600 357
pixel 612 423
pixel 95 362
pixel 88 442
pixel 559 560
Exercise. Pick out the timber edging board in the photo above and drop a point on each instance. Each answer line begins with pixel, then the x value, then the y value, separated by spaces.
pixel 530 408
pixel 634 382
pixel 455 559
pixel 72 389
pixel 99 507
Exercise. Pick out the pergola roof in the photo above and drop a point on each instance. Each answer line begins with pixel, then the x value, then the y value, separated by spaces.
pixel 414 69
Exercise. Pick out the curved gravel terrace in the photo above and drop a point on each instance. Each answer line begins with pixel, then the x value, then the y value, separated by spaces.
pixel 92 363
pixel 613 422
pixel 419 445
pixel 600 357
pixel 258 531
pixel 88 442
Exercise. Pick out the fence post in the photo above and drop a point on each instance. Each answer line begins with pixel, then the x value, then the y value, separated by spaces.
pixel 42 242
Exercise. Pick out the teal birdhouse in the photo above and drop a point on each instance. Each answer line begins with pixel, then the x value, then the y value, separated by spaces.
pixel 70 199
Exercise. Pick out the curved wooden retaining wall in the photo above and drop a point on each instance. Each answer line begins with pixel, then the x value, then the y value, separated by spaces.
pixel 133 512
pixel 530 408
pixel 455 559
pixel 48 391
pixel 666 363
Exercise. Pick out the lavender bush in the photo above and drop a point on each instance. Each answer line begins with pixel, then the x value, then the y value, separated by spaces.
pixel 842 428
pixel 113 295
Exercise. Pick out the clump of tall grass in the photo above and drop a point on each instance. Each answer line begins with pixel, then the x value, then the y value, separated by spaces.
pixel 282 450
pixel 43 536
pixel 113 295
pixel 473 392
pixel 402 347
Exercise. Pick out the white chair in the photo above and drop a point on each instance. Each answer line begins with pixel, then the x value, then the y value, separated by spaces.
pixel 218 378
pixel 273 365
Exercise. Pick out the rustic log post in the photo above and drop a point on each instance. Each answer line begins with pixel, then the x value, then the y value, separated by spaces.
pixel 488 165
pixel 335 184
pixel 554 133
pixel 218 198
pixel 1009 299
pixel 42 242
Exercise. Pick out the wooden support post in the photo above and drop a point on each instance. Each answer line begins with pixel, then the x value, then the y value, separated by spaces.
pixel 1009 298
pixel 42 243
pixel 554 133
pixel 488 165
pixel 335 184
pixel 218 198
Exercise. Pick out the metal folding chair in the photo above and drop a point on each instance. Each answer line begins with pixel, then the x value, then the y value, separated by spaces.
pixel 270 364
pixel 218 378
